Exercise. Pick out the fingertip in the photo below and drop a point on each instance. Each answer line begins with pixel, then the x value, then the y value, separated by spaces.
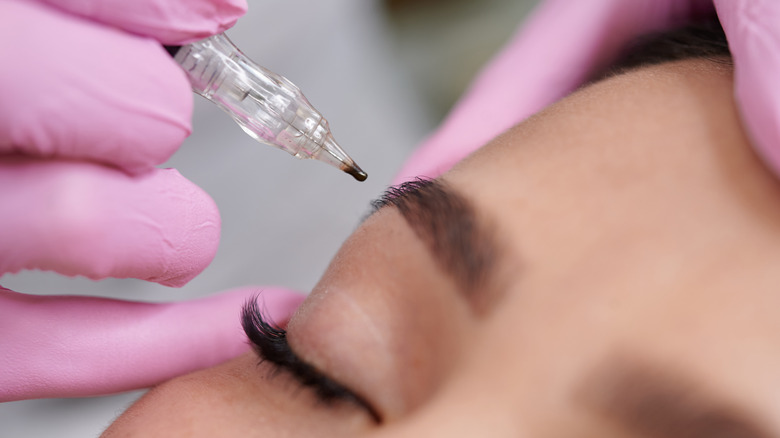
pixel 79 218
pixel 279 304
pixel 231 11
pixel 182 21
pixel 191 231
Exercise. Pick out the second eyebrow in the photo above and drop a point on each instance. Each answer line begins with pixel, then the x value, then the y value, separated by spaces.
pixel 651 401
pixel 449 226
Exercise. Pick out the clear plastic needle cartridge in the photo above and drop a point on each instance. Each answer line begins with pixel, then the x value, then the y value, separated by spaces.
pixel 267 106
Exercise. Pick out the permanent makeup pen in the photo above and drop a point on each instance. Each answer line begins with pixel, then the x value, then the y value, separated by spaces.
pixel 267 106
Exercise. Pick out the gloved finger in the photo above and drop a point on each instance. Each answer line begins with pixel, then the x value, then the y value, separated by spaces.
pixel 562 43
pixel 167 21
pixel 73 88
pixel 754 37
pixel 79 218
pixel 66 346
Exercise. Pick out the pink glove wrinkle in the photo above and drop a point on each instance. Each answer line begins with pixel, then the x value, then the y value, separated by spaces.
pixel 168 21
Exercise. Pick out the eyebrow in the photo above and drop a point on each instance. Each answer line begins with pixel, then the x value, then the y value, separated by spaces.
pixel 654 403
pixel 461 243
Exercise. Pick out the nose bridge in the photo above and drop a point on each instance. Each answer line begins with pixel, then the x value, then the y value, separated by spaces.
pixel 484 395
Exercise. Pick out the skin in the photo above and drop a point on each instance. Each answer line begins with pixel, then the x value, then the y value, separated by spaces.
pixel 639 242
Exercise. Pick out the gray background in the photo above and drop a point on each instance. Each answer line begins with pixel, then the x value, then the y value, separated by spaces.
pixel 382 73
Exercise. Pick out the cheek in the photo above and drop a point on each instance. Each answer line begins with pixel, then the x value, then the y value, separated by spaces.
pixel 238 399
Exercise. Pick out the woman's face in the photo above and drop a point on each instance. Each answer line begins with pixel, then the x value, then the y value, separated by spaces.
pixel 608 267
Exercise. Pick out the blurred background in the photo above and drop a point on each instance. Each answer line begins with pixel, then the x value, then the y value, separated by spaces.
pixel 383 72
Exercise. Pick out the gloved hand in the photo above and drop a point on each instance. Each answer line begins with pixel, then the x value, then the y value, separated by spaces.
pixel 565 41
pixel 91 102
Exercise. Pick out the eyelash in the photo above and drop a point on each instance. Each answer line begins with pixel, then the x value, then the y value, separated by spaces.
pixel 270 343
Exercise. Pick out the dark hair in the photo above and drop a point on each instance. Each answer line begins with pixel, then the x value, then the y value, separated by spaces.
pixel 702 39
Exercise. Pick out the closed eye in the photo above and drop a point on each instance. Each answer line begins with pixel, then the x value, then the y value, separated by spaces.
pixel 270 343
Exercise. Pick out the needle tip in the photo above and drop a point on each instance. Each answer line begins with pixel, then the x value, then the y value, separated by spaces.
pixel 356 172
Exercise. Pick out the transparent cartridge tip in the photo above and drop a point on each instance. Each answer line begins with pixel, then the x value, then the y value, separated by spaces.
pixel 267 106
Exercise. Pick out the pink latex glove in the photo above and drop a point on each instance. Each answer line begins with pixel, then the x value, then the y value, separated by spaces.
pixel 565 41
pixel 91 102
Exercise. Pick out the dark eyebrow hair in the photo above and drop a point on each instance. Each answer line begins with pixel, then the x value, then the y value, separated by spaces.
pixel 655 403
pixel 461 243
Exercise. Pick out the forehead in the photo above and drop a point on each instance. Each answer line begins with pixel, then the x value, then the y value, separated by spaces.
pixel 640 217
pixel 651 167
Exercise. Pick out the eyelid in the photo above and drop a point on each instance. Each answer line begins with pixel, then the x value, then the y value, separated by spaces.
pixel 270 344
